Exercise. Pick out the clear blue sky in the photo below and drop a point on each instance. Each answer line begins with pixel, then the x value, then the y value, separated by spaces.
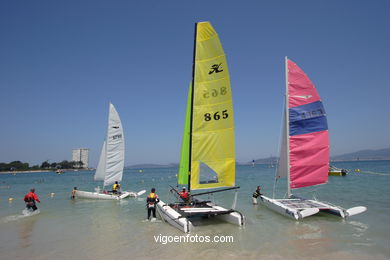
pixel 61 62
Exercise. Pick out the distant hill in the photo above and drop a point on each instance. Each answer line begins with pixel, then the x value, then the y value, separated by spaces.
pixel 382 154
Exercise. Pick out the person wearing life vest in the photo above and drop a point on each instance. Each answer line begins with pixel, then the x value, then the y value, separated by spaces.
pixel 30 199
pixel 116 187
pixel 184 195
pixel 151 202
pixel 257 192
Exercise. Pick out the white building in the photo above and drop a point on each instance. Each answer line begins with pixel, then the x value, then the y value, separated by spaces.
pixel 81 154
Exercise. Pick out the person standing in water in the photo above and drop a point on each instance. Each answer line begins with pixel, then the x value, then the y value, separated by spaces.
pixel 151 202
pixel 256 194
pixel 30 199
pixel 73 196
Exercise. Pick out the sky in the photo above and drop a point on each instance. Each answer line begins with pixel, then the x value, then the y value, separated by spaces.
pixel 62 62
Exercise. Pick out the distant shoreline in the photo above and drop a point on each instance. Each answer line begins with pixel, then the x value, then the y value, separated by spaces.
pixel 361 160
pixel 173 165
pixel 330 162
pixel 150 166
pixel 36 171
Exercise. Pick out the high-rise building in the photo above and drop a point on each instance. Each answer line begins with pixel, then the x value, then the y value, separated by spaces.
pixel 81 154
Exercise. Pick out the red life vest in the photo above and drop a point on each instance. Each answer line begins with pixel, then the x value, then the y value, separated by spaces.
pixel 184 195
pixel 31 196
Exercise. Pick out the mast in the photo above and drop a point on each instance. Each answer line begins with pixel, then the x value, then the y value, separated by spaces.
pixel 192 107
pixel 287 123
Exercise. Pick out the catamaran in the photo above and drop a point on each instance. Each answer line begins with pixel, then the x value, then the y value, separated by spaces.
pixel 111 162
pixel 207 155
pixel 334 171
pixel 304 153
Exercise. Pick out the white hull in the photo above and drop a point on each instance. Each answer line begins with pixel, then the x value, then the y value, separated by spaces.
pixel 234 217
pixel 100 196
pixel 174 218
pixel 135 194
pixel 183 223
pixel 298 208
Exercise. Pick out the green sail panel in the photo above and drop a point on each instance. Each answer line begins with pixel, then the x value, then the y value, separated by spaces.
pixel 185 146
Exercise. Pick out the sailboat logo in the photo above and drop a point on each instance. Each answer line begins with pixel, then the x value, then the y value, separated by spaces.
pixel 305 97
pixel 215 68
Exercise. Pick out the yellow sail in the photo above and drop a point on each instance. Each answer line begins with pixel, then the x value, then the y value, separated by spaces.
pixel 212 153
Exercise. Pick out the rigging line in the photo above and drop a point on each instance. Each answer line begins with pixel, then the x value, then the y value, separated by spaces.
pixel 375 173
pixel 235 200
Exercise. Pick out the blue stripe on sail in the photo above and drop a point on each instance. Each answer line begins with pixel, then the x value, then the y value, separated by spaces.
pixel 307 118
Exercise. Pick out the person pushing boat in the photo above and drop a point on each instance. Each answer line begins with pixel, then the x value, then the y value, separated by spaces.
pixel 73 196
pixel 151 202
pixel 30 199
pixel 256 194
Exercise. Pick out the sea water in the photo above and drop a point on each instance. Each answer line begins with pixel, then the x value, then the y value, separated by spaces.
pixel 97 229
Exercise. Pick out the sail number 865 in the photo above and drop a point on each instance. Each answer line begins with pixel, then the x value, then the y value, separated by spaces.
pixel 216 115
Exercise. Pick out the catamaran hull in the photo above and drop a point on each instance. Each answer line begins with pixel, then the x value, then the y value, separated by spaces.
pixel 280 208
pixel 100 196
pixel 337 173
pixel 136 194
pixel 235 218
pixel 183 223
pixel 311 207
pixel 171 216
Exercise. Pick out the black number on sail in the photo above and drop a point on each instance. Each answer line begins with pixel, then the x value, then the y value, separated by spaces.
pixel 225 114
pixel 207 117
pixel 216 115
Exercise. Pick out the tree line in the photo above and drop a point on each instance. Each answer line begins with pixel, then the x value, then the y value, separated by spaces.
pixel 21 166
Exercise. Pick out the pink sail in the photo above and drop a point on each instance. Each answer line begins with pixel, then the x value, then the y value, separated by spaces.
pixel 308 131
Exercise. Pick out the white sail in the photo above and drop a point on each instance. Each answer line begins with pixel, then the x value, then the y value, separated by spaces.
pixel 282 166
pixel 115 148
pixel 101 168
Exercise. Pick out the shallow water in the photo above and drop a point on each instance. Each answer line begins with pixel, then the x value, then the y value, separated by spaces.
pixel 88 229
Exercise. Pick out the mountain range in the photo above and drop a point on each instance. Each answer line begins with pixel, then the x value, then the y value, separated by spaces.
pixel 368 154
pixel 380 154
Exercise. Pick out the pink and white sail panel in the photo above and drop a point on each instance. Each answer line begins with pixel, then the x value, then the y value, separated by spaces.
pixel 308 131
